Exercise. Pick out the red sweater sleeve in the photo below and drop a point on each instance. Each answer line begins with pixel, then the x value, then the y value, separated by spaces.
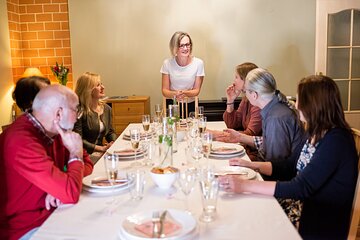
pixel 37 163
pixel 88 164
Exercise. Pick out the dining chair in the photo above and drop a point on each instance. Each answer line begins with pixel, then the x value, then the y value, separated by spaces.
pixel 183 105
pixel 3 127
pixel 355 214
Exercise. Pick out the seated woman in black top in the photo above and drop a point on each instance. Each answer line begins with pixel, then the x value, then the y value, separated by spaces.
pixel 95 122
pixel 327 166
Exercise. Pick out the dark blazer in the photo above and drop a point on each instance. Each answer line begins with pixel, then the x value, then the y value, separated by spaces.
pixel 90 135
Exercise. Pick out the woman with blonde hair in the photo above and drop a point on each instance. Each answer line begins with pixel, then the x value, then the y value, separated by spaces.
pixel 95 122
pixel 182 74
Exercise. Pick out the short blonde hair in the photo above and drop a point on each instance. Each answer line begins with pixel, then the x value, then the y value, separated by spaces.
pixel 175 42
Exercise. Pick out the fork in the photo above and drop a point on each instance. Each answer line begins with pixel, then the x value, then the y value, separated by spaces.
pixel 155 220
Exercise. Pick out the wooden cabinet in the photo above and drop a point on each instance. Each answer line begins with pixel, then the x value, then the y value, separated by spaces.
pixel 126 110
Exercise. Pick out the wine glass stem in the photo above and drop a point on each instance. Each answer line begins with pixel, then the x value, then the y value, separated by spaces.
pixel 186 203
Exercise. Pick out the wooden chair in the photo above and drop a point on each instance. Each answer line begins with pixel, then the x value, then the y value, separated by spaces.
pixel 184 105
pixel 3 127
pixel 355 215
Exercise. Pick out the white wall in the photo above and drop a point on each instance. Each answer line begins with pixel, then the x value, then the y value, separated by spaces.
pixel 6 83
pixel 126 41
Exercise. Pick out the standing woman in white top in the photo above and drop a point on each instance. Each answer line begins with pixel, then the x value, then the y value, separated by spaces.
pixel 182 74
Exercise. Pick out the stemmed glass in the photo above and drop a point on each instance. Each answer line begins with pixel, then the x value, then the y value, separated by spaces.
pixel 206 139
pixel 111 168
pixel 202 124
pixel 146 123
pixel 158 110
pixel 135 142
pixel 196 149
pixel 187 179
pixel 200 112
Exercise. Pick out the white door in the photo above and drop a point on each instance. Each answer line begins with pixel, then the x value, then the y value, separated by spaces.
pixel 337 53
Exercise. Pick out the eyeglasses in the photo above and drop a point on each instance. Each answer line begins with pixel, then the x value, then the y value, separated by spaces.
pixel 247 90
pixel 77 110
pixel 187 45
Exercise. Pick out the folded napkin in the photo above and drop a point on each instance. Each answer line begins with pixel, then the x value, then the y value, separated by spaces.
pixel 170 226
pixel 105 182
pixel 224 149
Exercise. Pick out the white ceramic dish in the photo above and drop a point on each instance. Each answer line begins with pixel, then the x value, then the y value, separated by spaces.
pixel 220 148
pixel 87 182
pixel 185 220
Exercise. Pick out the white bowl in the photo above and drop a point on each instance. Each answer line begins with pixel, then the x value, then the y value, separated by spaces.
pixel 164 180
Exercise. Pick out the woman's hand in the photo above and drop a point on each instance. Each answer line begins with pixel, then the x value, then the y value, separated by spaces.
pixel 239 162
pixel 232 93
pixel 99 148
pixel 180 95
pixel 231 183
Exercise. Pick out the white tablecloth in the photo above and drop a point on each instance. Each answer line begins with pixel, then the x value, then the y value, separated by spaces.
pixel 240 216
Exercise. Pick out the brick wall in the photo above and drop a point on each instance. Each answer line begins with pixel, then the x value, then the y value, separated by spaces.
pixel 39 36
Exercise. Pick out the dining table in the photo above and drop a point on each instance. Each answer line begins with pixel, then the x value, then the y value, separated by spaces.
pixel 238 216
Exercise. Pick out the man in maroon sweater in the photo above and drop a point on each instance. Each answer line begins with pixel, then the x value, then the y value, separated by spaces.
pixel 42 162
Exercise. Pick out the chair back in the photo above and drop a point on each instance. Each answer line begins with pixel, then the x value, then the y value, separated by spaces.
pixel 355 214
pixel 183 105
pixel 3 127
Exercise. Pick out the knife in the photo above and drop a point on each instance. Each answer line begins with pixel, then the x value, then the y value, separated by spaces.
pixel 162 219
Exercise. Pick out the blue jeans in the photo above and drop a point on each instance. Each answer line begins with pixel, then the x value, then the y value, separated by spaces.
pixel 29 234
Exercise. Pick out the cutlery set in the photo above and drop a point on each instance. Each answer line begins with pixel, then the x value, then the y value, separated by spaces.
pixel 158 224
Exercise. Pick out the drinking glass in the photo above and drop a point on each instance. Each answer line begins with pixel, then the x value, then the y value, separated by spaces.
pixel 111 168
pixel 135 142
pixel 146 122
pixel 206 139
pixel 148 147
pixel 209 193
pixel 202 124
pixel 200 111
pixel 158 110
pixel 196 149
pixel 192 115
pixel 136 181
pixel 187 179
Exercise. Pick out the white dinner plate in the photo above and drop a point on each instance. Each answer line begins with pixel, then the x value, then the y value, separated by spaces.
pixel 87 181
pixel 220 148
pixel 127 152
pixel 105 191
pixel 142 135
pixel 185 220
pixel 245 173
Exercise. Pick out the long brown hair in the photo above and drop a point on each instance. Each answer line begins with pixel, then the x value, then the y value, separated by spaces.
pixel 320 103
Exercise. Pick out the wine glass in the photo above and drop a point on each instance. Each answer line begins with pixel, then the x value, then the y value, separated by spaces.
pixel 111 168
pixel 146 122
pixel 135 142
pixel 158 110
pixel 196 150
pixel 186 180
pixel 206 139
pixel 202 124
pixel 200 111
